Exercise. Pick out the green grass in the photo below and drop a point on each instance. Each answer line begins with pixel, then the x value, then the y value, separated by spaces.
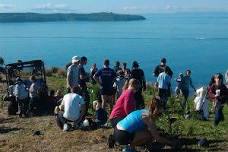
pixel 55 140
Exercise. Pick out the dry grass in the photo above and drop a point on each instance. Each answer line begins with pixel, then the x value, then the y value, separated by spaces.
pixel 17 135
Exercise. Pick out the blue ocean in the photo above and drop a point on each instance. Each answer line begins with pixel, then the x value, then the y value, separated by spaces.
pixel 196 41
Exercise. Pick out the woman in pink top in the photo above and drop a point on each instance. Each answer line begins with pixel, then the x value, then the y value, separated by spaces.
pixel 125 104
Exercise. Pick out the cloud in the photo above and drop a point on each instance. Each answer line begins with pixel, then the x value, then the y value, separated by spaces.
pixel 52 7
pixel 126 8
pixel 172 7
pixel 6 6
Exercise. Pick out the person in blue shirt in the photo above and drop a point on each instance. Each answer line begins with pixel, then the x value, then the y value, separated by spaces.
pixel 106 78
pixel 164 83
pixel 139 128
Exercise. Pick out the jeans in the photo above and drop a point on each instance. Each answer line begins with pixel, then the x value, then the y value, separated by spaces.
pixel 22 106
pixel 163 94
pixel 34 105
pixel 184 104
pixel 219 116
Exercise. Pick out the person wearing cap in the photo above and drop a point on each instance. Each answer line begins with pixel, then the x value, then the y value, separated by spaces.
pixel 161 68
pixel 73 73
pixel 21 94
pixel 138 74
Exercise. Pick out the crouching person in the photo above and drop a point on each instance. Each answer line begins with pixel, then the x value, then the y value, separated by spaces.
pixel 71 110
pixel 138 128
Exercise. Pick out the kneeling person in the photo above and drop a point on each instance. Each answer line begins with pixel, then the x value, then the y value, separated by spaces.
pixel 72 109
pixel 138 128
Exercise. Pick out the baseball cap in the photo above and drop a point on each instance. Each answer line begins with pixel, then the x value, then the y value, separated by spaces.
pixel 75 59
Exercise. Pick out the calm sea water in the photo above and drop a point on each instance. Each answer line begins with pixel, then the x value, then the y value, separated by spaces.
pixel 189 41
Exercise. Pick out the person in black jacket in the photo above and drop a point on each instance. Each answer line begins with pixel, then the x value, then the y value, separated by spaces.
pixel 138 74
pixel 161 68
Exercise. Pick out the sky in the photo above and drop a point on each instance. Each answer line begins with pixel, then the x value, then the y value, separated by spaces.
pixel 117 6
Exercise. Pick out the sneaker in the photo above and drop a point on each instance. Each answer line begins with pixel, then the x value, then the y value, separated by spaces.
pixel 111 141
pixel 66 127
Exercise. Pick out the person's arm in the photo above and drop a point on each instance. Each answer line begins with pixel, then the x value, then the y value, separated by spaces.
pixel 156 71
pixel 83 112
pixel 143 81
pixel 191 84
pixel 129 103
pixel 96 76
pixel 69 75
pixel 153 130
pixel 211 94
pixel 170 72
pixel 61 106
pixel 82 74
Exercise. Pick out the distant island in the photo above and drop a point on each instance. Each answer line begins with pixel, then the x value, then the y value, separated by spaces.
pixel 37 17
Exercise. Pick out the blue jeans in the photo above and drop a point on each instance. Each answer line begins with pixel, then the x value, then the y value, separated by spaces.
pixel 219 116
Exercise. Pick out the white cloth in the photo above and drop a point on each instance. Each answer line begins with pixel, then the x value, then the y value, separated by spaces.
pixel 72 106
pixel 201 102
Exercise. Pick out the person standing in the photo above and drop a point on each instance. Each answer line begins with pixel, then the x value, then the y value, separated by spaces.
pixel 163 82
pixel 83 78
pixel 219 94
pixel 185 85
pixel 161 68
pixel 117 67
pixel 105 77
pixel 138 74
pixel 21 94
pixel 126 70
pixel 34 105
pixel 93 70
pixel 73 73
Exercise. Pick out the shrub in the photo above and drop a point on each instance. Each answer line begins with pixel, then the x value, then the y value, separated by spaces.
pixel 54 69
pixel 61 73
pixel 49 72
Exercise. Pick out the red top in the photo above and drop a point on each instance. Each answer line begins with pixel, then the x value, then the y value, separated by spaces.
pixel 124 105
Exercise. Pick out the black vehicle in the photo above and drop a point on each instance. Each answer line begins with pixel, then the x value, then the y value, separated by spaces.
pixel 23 70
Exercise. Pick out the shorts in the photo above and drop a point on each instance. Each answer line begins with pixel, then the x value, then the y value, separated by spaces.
pixel 108 92
pixel 123 137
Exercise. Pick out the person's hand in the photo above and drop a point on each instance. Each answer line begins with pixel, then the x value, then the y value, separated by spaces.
pixel 57 109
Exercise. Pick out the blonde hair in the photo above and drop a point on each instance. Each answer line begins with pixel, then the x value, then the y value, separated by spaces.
pixel 132 82
pixel 155 107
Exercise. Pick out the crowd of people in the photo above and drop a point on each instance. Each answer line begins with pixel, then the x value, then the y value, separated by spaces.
pixel 120 102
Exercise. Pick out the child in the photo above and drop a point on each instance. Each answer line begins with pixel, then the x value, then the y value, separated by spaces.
pixel 119 83
pixel 179 81
pixel 101 114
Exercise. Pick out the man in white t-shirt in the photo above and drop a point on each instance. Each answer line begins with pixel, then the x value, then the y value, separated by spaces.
pixel 72 109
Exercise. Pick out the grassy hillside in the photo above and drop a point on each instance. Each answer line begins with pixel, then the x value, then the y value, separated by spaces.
pixel 17 134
